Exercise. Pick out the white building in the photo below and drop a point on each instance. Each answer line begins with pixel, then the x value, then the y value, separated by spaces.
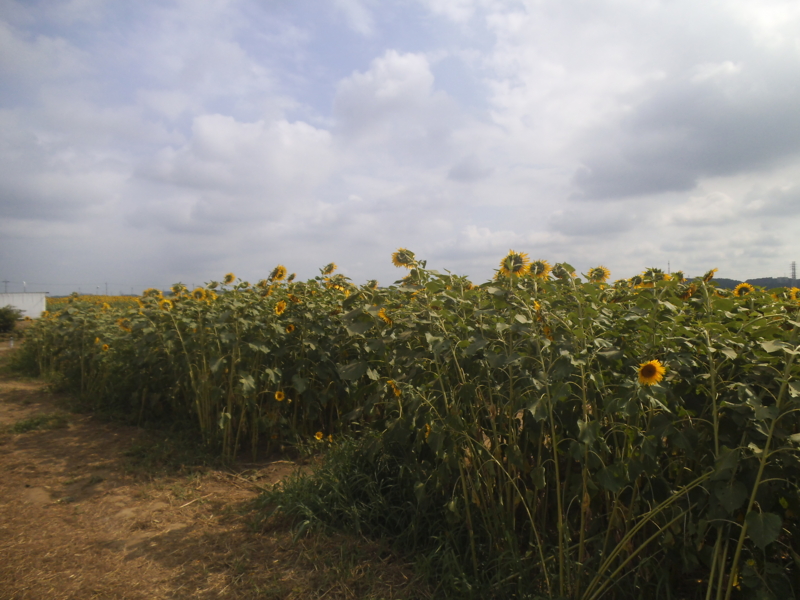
pixel 32 304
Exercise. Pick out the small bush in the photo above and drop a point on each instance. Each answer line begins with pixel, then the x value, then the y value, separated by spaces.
pixel 8 318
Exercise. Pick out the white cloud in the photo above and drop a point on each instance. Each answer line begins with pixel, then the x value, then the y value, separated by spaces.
pixel 358 16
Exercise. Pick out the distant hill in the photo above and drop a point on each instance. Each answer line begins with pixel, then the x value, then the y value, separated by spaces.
pixel 766 282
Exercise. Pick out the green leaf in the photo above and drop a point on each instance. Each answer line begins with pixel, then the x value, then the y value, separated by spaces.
pixel 352 371
pixel 475 346
pixel 538 478
pixel 763 528
pixel 732 496
pixel 612 478
pixel 773 345
pixel 300 384
pixel 248 384
pixel 729 352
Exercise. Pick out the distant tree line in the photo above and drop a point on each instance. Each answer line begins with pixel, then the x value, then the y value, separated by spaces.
pixel 765 282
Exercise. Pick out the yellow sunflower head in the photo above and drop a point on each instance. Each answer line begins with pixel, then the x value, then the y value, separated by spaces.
pixel 393 386
pixel 199 294
pixel 404 258
pixel 280 307
pixel 679 276
pixel 279 396
pixel 598 274
pixel 229 279
pixel 278 273
pixel 743 289
pixel 319 435
pixel 289 328
pixel 688 292
pixel 794 293
pixel 105 347
pixel 165 304
pixel 651 372
pixel 151 293
pixel 106 306
pixel 709 275
pixel 514 264
pixel 540 269
pixel 384 317
pixel 178 288
pixel 329 268
pixel 372 284
pixel 125 325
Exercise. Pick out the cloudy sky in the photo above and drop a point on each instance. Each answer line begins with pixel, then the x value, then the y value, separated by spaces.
pixel 144 143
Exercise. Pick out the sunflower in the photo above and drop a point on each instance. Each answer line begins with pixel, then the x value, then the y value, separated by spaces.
pixel 165 305
pixel 319 435
pixel 688 292
pixel 291 277
pixel 97 340
pixel 289 328
pixel 105 348
pixel 262 283
pixel 295 299
pixel 329 268
pixel 279 396
pixel 709 275
pixel 199 294
pixel 229 279
pixel 743 289
pixel 384 317
pixel 125 325
pixel 515 264
pixel 598 274
pixel 403 258
pixel 679 276
pixel 393 386
pixel 280 307
pixel 151 293
pixel 106 306
pixel 794 293
pixel 540 269
pixel 372 284
pixel 721 292
pixel 651 372
pixel 278 273
pixel 562 272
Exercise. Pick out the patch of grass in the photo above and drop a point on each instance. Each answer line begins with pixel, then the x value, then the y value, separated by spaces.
pixel 160 454
pixel 39 423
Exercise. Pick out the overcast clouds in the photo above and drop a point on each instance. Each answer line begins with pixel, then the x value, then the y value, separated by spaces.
pixel 152 142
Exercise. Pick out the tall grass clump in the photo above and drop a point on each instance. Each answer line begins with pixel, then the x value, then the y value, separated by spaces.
pixel 541 435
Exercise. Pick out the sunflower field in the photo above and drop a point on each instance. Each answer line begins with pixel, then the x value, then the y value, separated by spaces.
pixel 541 435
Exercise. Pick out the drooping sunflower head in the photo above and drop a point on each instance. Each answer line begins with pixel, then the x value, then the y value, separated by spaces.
pixel 178 288
pixel 688 292
pixel 563 271
pixel 709 275
pixel 721 293
pixel 651 372
pixel 404 258
pixel 514 264
pixel 199 294
pixel 654 274
pixel 636 280
pixel 278 273
pixel 291 277
pixel 540 269
pixel 151 293
pixel 165 305
pixel 229 279
pixel 598 274
pixel 372 284
pixel 679 276
pixel 280 307
pixel 329 268
pixel 743 289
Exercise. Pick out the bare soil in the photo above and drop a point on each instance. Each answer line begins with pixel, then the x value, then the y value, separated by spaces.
pixel 79 519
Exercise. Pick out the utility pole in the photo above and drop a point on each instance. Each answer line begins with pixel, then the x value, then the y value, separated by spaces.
pixel 794 273
pixel 5 283
pixel 106 288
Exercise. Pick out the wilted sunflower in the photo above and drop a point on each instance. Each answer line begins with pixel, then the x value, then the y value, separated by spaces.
pixel 403 258
pixel 384 317
pixel 329 268
pixel 289 328
pixel 393 386
pixel 651 372
pixel 743 289
pixel 514 264
pixel 229 279
pixel 598 274
pixel 278 273
pixel 199 294
pixel 279 396
pixel 280 307
pixel 540 269
pixel 709 275
pixel 165 305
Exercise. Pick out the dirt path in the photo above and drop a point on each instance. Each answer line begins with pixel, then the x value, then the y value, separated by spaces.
pixel 79 520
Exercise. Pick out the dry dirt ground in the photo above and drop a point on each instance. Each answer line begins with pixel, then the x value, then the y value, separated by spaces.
pixel 80 519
